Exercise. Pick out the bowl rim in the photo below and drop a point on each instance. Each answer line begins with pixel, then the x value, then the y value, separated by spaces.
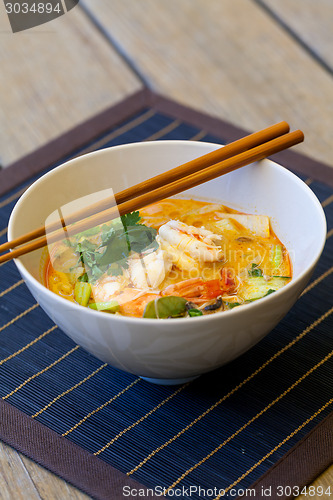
pixel 175 321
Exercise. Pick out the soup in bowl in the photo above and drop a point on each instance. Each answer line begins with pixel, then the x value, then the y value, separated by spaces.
pixel 182 286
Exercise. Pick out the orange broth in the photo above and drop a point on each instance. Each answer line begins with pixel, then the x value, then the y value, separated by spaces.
pixel 243 249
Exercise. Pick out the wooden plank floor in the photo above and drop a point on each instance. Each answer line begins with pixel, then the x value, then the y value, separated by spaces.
pixel 78 76
pixel 310 22
pixel 252 62
pixel 212 58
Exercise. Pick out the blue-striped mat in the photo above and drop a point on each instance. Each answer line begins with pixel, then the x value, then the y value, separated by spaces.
pixel 223 430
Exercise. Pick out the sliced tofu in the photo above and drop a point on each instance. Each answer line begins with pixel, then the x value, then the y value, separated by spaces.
pixel 227 226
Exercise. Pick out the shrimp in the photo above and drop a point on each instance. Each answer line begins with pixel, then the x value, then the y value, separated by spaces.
pixel 196 290
pixel 227 280
pixel 149 271
pixel 200 291
pixel 133 301
pixel 107 287
pixel 188 244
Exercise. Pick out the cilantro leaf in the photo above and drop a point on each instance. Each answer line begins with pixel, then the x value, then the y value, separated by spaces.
pixel 118 239
pixel 255 271
pixel 131 219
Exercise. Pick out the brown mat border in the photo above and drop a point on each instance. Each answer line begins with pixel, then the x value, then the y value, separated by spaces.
pixel 59 455
pixel 300 466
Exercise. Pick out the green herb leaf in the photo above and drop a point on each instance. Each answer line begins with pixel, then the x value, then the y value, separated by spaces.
pixel 136 239
pixel 115 250
pixel 194 312
pixel 165 307
pixel 255 271
pixel 131 219
pixel 83 277
pixel 231 305
pixel 107 234
pixel 88 232
pixel 118 239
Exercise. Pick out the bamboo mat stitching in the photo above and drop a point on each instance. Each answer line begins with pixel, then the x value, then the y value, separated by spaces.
pixel 273 450
pixel 153 453
pixel 78 385
pixel 167 399
pixel 276 400
pixel 325 203
pixel 40 372
pixel 233 391
pixel 141 419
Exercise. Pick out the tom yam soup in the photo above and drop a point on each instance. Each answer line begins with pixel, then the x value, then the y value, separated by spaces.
pixel 175 258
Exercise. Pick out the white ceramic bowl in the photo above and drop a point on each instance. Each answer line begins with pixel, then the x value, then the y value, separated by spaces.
pixel 171 351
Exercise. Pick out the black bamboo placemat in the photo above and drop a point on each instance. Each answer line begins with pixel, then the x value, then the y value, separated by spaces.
pixel 264 420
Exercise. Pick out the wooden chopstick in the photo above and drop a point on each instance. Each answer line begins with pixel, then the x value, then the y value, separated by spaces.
pixel 220 168
pixel 174 174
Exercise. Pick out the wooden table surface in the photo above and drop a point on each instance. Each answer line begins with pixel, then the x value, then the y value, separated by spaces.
pixel 251 62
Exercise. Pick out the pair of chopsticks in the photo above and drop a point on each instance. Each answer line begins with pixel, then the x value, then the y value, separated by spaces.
pixel 237 154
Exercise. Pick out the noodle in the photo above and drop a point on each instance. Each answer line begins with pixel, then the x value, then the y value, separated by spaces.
pixel 182 251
